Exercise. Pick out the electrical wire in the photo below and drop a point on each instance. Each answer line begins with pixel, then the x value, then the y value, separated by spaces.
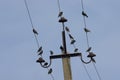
pixel 59 7
pixel 97 71
pixel 84 19
pixel 30 18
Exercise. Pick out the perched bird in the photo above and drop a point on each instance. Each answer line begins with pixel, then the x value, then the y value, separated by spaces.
pixel 39 49
pixel 41 52
pixel 91 54
pixel 84 14
pixel 35 32
pixel 51 52
pixel 50 71
pixel 86 30
pixel 45 64
pixel 61 47
pixel 73 41
pixel 67 29
pixel 89 49
pixel 60 14
pixel 76 49
pixel 71 37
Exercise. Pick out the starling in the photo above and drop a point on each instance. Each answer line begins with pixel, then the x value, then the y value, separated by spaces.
pixel 71 37
pixel 51 52
pixel 61 47
pixel 67 29
pixel 50 71
pixel 86 30
pixel 76 49
pixel 73 41
pixel 45 64
pixel 39 49
pixel 35 32
pixel 41 52
pixel 84 14
pixel 89 49
pixel 60 14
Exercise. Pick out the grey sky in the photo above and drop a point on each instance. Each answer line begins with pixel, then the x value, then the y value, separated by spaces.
pixel 18 47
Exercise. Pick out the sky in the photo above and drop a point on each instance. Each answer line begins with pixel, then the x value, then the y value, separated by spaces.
pixel 18 46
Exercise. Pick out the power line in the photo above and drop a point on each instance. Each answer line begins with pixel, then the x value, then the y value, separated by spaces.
pixel 34 31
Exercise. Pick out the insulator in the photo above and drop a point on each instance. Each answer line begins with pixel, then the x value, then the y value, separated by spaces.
pixel 62 19
pixel 40 60
pixel 91 54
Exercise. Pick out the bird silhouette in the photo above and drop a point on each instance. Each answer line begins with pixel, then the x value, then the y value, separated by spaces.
pixel 84 14
pixel 50 71
pixel 40 60
pixel 60 14
pixel 76 49
pixel 67 29
pixel 40 48
pixel 86 30
pixel 45 64
pixel 72 41
pixel 35 32
pixel 89 49
pixel 61 47
pixel 41 52
pixel 51 52
pixel 71 37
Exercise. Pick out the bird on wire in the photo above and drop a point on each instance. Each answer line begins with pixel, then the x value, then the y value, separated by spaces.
pixel 84 14
pixel 86 30
pixel 60 14
pixel 50 71
pixel 40 48
pixel 35 32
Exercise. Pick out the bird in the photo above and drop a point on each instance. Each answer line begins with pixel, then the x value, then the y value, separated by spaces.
pixel 84 14
pixel 60 14
pixel 73 41
pixel 89 49
pixel 35 32
pixel 76 49
pixel 67 29
pixel 51 52
pixel 50 71
pixel 71 37
pixel 86 30
pixel 45 64
pixel 61 47
pixel 41 52
pixel 40 48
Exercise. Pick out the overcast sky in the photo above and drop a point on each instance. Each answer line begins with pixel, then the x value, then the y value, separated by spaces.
pixel 18 47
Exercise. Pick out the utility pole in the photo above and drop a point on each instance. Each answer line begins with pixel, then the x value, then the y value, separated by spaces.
pixel 65 56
